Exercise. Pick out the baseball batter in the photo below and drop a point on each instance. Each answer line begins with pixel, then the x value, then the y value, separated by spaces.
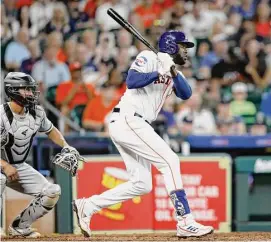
pixel 20 120
pixel 149 82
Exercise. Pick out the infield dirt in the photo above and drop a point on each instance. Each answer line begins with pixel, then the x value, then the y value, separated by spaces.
pixel 235 236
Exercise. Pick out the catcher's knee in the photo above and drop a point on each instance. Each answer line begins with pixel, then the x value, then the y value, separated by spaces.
pixel 50 195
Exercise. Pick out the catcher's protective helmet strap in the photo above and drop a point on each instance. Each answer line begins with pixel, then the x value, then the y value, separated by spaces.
pixel 168 42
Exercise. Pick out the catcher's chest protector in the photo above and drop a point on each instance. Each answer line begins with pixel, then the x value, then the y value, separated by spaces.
pixel 20 133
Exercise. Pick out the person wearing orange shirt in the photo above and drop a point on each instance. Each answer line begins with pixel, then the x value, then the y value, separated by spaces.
pixel 148 11
pixel 99 107
pixel 75 92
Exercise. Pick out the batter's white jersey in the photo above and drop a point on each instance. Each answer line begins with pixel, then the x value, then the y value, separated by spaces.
pixel 147 101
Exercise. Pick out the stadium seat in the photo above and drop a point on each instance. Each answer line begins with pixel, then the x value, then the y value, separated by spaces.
pixel 77 113
pixel 51 94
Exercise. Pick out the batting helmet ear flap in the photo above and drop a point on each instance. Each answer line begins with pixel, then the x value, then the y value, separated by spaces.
pixel 168 45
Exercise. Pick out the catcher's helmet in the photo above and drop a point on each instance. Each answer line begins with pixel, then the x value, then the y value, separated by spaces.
pixel 168 42
pixel 14 81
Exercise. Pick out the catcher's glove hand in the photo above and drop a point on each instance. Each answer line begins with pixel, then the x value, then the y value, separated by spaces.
pixel 68 159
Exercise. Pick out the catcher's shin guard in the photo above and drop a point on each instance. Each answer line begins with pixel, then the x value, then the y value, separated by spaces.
pixel 38 207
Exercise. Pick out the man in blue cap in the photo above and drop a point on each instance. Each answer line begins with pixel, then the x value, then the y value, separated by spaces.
pixel 151 79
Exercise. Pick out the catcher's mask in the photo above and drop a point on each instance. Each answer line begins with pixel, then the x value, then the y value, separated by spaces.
pixel 22 89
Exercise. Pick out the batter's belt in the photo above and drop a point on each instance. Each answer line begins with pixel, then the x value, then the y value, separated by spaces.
pixel 117 110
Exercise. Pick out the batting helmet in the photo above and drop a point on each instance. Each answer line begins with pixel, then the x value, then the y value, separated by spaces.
pixel 168 42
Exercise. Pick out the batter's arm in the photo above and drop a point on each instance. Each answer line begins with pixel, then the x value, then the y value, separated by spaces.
pixel 181 87
pixel 137 79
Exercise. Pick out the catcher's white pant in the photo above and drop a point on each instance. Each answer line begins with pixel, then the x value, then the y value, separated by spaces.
pixel 30 180
pixel 140 146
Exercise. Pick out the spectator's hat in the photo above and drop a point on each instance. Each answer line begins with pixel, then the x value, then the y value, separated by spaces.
pixel 239 87
pixel 75 66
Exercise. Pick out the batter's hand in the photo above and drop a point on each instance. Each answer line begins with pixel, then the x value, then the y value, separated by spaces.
pixel 165 62
pixel 10 171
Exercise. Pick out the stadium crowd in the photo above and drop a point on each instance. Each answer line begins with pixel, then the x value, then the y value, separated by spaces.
pixel 80 57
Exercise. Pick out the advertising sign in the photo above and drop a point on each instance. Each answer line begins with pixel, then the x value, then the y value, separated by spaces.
pixel 206 179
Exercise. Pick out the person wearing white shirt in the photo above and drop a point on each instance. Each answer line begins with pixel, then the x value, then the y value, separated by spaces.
pixel 202 120
pixel 48 71
pixel 107 23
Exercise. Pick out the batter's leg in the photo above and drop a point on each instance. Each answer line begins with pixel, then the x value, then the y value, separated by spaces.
pixel 140 138
pixel 140 183
pixel 31 182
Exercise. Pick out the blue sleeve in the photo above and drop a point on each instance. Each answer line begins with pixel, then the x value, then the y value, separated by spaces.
pixel 182 88
pixel 137 79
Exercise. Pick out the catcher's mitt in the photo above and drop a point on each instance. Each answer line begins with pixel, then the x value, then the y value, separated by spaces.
pixel 68 159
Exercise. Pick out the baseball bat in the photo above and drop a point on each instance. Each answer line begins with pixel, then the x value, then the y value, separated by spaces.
pixel 131 29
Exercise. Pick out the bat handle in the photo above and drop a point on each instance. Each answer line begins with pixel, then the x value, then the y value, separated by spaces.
pixel 173 71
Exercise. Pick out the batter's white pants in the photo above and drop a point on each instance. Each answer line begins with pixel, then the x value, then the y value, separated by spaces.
pixel 140 146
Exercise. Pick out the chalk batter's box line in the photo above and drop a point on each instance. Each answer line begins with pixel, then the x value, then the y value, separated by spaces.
pixel 223 159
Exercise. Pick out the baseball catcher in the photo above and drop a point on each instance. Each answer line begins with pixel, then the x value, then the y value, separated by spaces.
pixel 21 119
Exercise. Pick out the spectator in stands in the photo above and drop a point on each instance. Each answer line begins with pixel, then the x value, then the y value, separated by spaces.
pixel 220 49
pixel 55 40
pixel 74 92
pixel 91 7
pixel 27 64
pixel 203 119
pixel 70 50
pixel 85 59
pixel 48 71
pixel 116 78
pixel 168 116
pixel 89 39
pixel 59 21
pixel 25 21
pixel 240 106
pixel 99 107
pixel 104 21
pixel 223 74
pixel 41 12
pixel 148 11
pixel 78 20
pixel 10 10
pixel 7 31
pixel 255 64
pixel 124 41
pixel 233 24
pixel 259 127
pixel 227 123
pixel 262 20
pixel 17 51
pixel 246 8
pixel 198 23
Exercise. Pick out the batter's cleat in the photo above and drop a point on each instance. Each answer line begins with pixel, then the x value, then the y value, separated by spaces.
pixel 27 232
pixel 83 220
pixel 188 227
